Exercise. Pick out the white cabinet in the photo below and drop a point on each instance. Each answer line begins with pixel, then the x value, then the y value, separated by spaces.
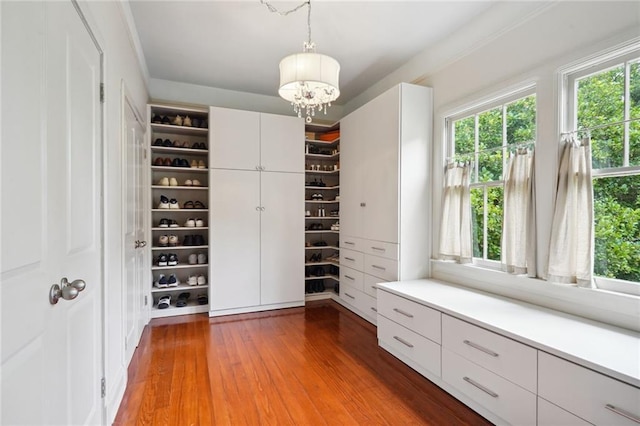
pixel 257 206
pixel 247 140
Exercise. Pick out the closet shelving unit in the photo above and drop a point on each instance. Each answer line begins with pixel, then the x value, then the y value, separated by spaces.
pixel 322 191
pixel 179 134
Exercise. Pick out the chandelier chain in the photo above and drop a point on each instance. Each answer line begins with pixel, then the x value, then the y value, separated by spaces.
pixel 274 9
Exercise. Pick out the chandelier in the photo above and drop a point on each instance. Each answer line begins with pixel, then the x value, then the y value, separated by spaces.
pixel 308 80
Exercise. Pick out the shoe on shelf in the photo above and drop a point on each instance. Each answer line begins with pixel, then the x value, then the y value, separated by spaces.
pixel 173 281
pixel 164 202
pixel 193 280
pixel 186 144
pixel 173 204
pixel 175 162
pixel 188 240
pixel 163 181
pixel 173 240
pixel 167 162
pixel 196 182
pixel 164 223
pixel 204 123
pixel 193 259
pixel 183 162
pixel 161 282
pixel 173 182
pixel 165 120
pixel 163 240
pixel 162 260
pixel 167 143
pixel 198 240
pixel 186 121
pixel 201 165
pixel 194 164
pixel 202 280
pixel 164 302
pixel 202 258
pixel 173 224
pixel 195 122
pixel 159 161
pixel 199 205
pixel 188 205
pixel 177 121
pixel 173 259
pixel 188 182
pixel 157 142
pixel 199 223
pixel 182 299
pixel 203 299
pixel 156 119
pixel 190 223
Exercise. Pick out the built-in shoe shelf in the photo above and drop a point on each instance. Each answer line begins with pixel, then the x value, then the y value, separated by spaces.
pixel 179 143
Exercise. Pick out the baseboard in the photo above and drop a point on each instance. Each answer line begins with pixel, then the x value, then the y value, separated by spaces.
pixel 115 393
pixel 259 308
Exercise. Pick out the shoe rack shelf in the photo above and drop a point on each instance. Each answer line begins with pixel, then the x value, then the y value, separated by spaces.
pixel 174 141
pixel 322 205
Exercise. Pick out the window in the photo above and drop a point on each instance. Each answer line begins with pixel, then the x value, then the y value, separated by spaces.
pixel 604 99
pixel 484 135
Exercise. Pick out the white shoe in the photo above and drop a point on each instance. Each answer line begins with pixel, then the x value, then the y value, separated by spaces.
pixel 202 259
pixel 190 223
pixel 173 182
pixel 164 202
pixel 196 182
pixel 193 280
pixel 193 259
pixel 199 223
pixel 202 280
pixel 164 181
pixel 188 182
pixel 173 204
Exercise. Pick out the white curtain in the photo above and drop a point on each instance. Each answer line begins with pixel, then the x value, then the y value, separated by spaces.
pixel 519 225
pixel 571 250
pixel 455 227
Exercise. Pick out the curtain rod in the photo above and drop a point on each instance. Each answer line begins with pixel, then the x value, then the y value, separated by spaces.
pixel 497 148
pixel 600 126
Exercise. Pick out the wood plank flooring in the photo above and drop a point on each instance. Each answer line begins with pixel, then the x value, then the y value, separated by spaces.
pixel 317 365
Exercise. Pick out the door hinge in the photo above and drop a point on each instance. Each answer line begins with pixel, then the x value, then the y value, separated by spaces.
pixel 101 92
pixel 103 387
pixel 146 300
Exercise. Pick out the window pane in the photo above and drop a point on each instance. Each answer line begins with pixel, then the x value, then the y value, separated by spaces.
pixel 465 130
pixel 490 166
pixel 494 221
pixel 634 90
pixel 617 227
pixel 490 129
pixel 521 120
pixel 601 98
pixel 634 143
pixel 477 220
pixel 607 147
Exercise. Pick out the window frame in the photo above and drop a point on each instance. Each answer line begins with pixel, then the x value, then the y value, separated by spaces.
pixel 569 78
pixel 474 109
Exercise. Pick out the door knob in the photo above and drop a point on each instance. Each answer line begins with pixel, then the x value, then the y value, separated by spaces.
pixel 140 244
pixel 66 290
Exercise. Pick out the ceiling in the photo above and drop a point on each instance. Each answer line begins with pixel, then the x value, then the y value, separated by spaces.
pixel 237 45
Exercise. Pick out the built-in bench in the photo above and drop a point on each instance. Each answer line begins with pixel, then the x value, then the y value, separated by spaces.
pixel 512 362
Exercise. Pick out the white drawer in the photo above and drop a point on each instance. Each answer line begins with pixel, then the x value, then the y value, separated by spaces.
pixel 414 316
pixel 552 415
pixel 380 267
pixel 371 284
pixel 422 351
pixel 508 401
pixel 352 259
pixel 512 360
pixel 587 394
pixel 378 248
pixel 352 243
pixel 368 306
pixel 351 277
pixel 349 294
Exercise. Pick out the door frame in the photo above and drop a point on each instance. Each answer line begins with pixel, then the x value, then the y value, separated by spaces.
pixel 92 29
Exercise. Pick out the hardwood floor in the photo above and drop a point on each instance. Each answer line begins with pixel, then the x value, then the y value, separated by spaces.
pixel 302 366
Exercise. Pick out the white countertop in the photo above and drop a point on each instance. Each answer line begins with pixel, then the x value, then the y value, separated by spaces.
pixel 604 348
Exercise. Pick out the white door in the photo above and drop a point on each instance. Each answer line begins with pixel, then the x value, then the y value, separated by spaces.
pixel 134 240
pixel 51 357
pixel 282 238
pixel 234 260
pixel 352 150
pixel 281 143
pixel 234 139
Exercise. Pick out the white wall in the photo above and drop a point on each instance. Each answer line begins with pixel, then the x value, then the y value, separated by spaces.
pixel 172 91
pixel 107 21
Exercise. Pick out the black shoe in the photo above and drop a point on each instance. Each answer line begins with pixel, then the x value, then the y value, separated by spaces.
pixel 162 260
pixel 157 119
pixel 158 142
pixel 175 162
pixel 320 244
pixel 164 223
pixel 165 120
pixel 198 240
pixel 188 240
pixel 167 143
pixel 184 162
pixel 173 259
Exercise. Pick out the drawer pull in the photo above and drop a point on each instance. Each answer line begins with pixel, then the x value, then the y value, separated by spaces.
pixel 379 267
pixel 404 342
pixel 349 259
pixel 350 243
pixel 375 287
pixel 401 312
pixel 378 248
pixel 374 309
pixel 479 386
pixel 622 413
pixel 351 278
pixel 348 295
pixel 480 348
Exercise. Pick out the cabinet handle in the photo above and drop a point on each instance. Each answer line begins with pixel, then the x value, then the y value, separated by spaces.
pixel 379 267
pixel 351 278
pixel 348 295
pixel 378 248
pixel 375 287
pixel 262 168
pixel 258 168
pixel 480 348
pixel 622 413
pixel 349 258
pixel 350 243
pixel 479 386
pixel 404 342
pixel 374 309
pixel 258 208
pixel 363 204
pixel 401 312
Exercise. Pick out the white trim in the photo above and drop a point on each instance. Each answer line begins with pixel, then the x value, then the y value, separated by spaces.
pixel 134 39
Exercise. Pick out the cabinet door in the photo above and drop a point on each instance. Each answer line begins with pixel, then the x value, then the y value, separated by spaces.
pixel 351 163
pixel 281 143
pixel 235 239
pixel 282 237
pixel 380 152
pixel 234 139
